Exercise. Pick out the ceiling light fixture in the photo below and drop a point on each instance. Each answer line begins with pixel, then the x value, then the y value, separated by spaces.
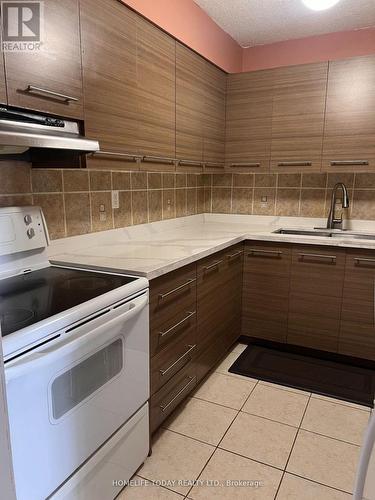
pixel 320 4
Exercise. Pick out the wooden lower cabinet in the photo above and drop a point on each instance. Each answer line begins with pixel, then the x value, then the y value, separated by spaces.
pixel 266 285
pixel 357 329
pixel 315 296
pixel 195 315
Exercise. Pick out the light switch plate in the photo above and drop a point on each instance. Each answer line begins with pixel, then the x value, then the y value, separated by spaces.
pixel 115 199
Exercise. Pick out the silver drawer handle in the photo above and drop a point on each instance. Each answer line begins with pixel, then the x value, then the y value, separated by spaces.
pixel 254 251
pixel 160 159
pixel 294 164
pixel 128 156
pixel 317 256
pixel 67 98
pixel 212 266
pixel 170 330
pixel 244 165
pixel 343 163
pixel 167 370
pixel 358 260
pixel 214 164
pixel 177 289
pixel 193 163
pixel 235 255
pixel 164 407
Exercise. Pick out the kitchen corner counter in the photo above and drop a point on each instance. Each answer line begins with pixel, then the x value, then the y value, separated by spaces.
pixel 154 249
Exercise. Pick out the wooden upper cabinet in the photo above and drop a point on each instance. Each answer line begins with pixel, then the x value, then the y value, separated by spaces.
pixel 214 115
pixel 298 117
pixel 108 32
pixel 190 104
pixel 350 115
pixel 156 91
pixel 54 70
pixel 249 121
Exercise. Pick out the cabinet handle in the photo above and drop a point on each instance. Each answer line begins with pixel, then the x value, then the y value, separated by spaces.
pixel 167 370
pixel 244 165
pixel 212 266
pixel 127 156
pixel 271 253
pixel 343 163
pixel 164 407
pixel 67 98
pixel 294 164
pixel 235 255
pixel 358 260
pixel 317 256
pixel 162 296
pixel 160 159
pixel 190 162
pixel 170 330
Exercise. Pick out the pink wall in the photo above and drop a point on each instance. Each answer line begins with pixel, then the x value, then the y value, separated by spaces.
pixel 311 49
pixel 187 22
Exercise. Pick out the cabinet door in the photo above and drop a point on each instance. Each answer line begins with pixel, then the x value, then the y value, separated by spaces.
pixel 156 91
pixel 190 104
pixel 214 117
pixel 350 115
pixel 357 332
pixel 55 69
pixel 266 285
pixel 298 117
pixel 317 278
pixel 109 77
pixel 248 121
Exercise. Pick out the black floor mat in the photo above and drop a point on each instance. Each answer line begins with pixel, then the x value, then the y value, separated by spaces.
pixel 308 371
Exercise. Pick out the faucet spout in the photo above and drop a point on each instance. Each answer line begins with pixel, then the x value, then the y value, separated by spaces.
pixel 332 221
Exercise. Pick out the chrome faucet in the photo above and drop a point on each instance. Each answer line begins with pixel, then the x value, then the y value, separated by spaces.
pixel 333 222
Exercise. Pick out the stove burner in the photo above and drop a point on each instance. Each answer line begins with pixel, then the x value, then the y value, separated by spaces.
pixel 85 283
pixel 14 317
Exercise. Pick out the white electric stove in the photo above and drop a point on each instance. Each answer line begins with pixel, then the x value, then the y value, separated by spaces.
pixel 76 353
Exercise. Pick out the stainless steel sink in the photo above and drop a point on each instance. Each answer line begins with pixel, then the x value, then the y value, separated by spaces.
pixel 327 233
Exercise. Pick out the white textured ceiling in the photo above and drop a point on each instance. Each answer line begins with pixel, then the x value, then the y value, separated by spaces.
pixel 256 22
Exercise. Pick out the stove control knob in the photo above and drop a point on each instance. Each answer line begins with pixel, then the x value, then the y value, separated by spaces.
pixel 28 220
pixel 30 233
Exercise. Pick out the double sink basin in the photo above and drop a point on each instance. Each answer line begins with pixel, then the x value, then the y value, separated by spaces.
pixel 327 233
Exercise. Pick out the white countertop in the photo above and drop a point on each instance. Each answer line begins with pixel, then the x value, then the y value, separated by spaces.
pixel 154 249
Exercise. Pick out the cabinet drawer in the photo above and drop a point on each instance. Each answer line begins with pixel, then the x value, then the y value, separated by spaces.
pixel 172 293
pixel 171 395
pixel 162 336
pixel 171 360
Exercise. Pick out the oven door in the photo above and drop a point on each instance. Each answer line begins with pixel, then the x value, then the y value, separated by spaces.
pixel 67 397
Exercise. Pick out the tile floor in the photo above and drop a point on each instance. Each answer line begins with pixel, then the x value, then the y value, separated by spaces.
pixel 246 439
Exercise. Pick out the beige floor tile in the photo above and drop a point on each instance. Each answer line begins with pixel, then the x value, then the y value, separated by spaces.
pixel 225 390
pixel 260 439
pixel 239 348
pixel 324 460
pixel 227 362
pixel 140 489
pixel 284 388
pixel 283 406
pixel 340 402
pixel 296 488
pixel 336 421
pixel 224 466
pixel 175 458
pixel 201 420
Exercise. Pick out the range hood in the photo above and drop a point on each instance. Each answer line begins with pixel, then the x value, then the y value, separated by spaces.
pixel 21 131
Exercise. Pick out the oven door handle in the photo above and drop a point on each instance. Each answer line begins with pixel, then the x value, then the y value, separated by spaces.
pixel 35 360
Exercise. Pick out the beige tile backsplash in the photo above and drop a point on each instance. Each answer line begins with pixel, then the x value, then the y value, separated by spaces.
pixel 79 201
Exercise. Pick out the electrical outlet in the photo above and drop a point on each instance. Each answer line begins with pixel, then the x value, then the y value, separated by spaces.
pixel 115 199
